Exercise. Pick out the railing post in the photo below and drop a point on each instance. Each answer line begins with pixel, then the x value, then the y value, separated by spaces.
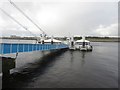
pixel 11 48
pixel 32 47
pixel 23 47
pixel 17 48
pixel 39 47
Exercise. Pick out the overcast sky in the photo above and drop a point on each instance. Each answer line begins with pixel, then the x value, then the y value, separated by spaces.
pixel 61 17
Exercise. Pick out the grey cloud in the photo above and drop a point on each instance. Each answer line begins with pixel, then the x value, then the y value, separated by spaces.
pixel 81 18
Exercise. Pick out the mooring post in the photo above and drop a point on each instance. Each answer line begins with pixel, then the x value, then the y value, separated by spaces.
pixel 7 64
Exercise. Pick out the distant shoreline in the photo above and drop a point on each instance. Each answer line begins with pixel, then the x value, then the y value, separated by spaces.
pixel 105 40
pixel 91 39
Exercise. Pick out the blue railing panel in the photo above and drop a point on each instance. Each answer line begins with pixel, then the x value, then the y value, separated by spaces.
pixel 42 48
pixel 14 48
pixel 20 49
pixel 48 47
pixel 25 47
pixel 37 47
pixel 30 47
pixel 34 47
pixel 6 48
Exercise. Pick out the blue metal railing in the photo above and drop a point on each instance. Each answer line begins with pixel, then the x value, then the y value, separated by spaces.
pixel 7 48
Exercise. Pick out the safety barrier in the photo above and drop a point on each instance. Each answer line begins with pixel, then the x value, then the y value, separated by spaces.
pixel 7 48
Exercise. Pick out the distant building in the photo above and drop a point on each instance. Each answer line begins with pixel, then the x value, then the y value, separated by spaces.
pixel 14 36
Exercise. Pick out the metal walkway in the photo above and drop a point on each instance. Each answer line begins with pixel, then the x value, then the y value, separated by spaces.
pixel 7 48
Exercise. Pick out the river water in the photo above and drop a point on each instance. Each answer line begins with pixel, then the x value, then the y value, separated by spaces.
pixel 71 69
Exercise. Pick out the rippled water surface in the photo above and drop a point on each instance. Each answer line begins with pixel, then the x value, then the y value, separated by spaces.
pixel 72 69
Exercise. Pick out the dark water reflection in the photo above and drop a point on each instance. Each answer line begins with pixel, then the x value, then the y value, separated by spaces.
pixel 72 69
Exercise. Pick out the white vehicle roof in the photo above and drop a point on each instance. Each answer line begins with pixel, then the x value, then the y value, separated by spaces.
pixel 54 40
pixel 82 40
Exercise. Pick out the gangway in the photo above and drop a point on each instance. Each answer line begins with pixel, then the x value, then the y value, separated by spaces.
pixel 8 48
